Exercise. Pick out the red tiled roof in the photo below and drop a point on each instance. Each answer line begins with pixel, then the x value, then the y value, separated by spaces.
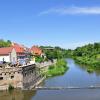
pixel 36 50
pixel 6 50
pixel 18 48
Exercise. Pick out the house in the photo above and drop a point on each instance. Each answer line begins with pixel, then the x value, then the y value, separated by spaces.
pixel 36 51
pixel 8 54
pixel 19 50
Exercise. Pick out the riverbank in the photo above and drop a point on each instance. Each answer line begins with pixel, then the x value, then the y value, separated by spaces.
pixel 58 69
pixel 88 55
pixel 90 63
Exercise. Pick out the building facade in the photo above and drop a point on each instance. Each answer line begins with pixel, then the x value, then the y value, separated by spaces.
pixel 8 54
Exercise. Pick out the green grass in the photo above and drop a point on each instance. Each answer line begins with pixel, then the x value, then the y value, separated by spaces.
pixel 58 69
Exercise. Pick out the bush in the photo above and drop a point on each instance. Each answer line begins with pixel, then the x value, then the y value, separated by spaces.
pixel 39 59
pixel 51 67
pixel 58 69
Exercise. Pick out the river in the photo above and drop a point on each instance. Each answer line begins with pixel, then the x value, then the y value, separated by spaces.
pixel 76 76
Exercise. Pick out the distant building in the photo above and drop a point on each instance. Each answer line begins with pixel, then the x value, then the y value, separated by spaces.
pixel 8 54
pixel 36 51
pixel 21 54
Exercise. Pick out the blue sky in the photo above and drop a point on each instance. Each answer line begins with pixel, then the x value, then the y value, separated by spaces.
pixel 65 23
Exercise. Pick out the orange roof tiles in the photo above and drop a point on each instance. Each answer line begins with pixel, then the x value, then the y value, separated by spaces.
pixel 6 50
pixel 36 50
pixel 18 48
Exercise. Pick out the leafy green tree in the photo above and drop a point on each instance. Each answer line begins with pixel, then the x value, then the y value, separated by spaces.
pixel 53 52
pixel 88 55
pixel 5 43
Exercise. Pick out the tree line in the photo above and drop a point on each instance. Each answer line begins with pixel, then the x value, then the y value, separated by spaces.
pixel 53 52
pixel 88 55
pixel 4 43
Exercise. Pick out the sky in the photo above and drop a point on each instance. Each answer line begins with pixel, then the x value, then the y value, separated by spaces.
pixel 64 23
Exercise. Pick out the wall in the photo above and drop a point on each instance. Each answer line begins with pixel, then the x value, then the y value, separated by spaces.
pixel 30 76
pixel 11 76
pixel 24 77
pixel 13 56
pixel 6 58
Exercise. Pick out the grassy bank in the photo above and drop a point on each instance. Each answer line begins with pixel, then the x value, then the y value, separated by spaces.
pixel 58 69
pixel 88 55
pixel 92 64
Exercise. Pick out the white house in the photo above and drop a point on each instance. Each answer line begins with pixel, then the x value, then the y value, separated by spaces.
pixel 8 54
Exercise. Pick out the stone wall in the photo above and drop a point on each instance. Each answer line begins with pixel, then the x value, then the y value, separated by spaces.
pixel 30 76
pixel 10 76
pixel 24 77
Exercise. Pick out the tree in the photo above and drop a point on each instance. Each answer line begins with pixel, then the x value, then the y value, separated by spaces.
pixel 5 43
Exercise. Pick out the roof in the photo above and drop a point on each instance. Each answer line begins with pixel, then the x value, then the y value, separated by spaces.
pixel 6 50
pixel 36 50
pixel 18 48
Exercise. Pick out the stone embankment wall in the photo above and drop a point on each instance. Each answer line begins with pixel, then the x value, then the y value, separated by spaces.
pixel 10 76
pixel 23 77
pixel 31 76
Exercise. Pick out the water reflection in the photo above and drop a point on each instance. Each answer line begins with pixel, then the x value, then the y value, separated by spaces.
pixel 16 95
pixel 85 68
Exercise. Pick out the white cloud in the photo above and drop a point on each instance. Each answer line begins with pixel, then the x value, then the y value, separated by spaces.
pixel 72 10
